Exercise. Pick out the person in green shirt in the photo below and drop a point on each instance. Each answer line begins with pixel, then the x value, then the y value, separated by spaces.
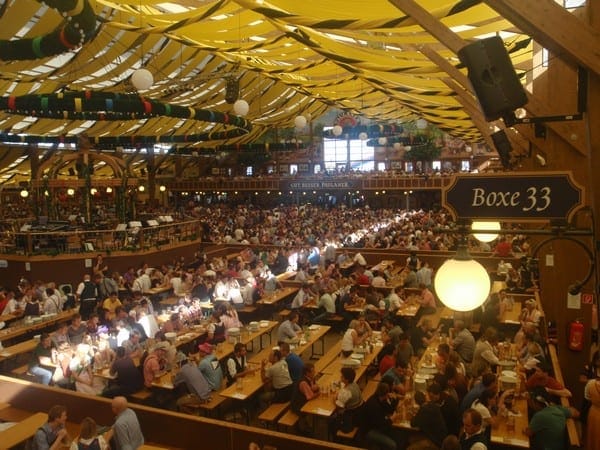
pixel 548 425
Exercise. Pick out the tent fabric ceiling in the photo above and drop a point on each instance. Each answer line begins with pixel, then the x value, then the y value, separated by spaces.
pixel 291 57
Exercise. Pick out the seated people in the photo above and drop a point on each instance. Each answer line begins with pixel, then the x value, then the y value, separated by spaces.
pixel 347 401
pixel 304 390
pixel 88 437
pixel 289 330
pixel 43 360
pixel 237 366
pixel 128 378
pixel 428 419
pixel 210 367
pixel 198 389
pixel 126 430
pixel 277 378
pixel 77 330
pixel 81 366
pixel 53 434
pixel 379 414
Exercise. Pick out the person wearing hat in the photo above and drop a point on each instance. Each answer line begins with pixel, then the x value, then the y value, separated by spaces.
pixel 210 367
pixel 155 363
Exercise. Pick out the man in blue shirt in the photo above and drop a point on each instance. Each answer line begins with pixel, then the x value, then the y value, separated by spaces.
pixel 210 367
pixel 53 434
pixel 294 362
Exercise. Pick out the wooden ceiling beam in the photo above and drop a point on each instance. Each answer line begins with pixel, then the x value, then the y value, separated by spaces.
pixel 554 28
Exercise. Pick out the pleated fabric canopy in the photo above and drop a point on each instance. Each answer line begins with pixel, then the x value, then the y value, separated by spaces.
pixel 61 60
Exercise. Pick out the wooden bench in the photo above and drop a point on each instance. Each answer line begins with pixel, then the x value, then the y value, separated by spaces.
pixel 329 356
pixel 140 396
pixel 347 437
pixel 247 311
pixel 212 407
pixel 435 317
pixel 369 389
pixel 273 413
pixel 22 372
pixel 22 430
pixel 571 426
pixel 289 419
pixel 283 314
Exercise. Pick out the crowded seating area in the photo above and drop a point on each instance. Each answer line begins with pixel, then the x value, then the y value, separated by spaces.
pixel 311 339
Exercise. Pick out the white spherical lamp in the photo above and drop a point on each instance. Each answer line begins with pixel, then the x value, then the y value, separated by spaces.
pixel 142 79
pixel 300 122
pixel 71 191
pixel 461 283
pixel 241 107
pixel 382 140
pixel 485 226
pixel 162 188
pixel 363 136
pixel 337 130
pixel 141 188
pixel 108 190
pixel 24 193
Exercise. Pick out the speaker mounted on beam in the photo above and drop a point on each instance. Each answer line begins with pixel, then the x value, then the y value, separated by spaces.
pixel 494 79
pixel 232 89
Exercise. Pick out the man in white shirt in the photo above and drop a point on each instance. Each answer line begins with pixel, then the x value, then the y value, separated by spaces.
pixel 303 296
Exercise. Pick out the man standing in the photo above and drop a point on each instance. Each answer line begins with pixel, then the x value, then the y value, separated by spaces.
pixel 126 431
pixel 87 295
pixel 53 434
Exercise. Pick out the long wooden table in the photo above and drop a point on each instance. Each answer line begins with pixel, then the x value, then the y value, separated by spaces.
pixel 18 349
pixel 277 296
pixel 21 431
pixel 22 327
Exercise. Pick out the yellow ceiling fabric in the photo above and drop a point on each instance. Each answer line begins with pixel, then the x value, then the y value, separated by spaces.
pixel 290 57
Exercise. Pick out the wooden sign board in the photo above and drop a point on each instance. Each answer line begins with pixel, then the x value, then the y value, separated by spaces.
pixel 519 196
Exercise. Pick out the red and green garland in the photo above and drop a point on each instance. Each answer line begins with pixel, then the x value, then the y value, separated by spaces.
pixel 76 30
pixel 100 106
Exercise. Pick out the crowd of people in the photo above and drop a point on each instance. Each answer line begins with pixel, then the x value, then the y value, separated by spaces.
pixel 124 434
pixel 118 328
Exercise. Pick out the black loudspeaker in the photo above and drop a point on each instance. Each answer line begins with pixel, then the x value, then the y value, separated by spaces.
pixel 493 77
pixel 232 90
pixel 503 147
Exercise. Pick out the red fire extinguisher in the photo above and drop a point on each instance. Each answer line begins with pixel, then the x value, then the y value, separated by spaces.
pixel 576 335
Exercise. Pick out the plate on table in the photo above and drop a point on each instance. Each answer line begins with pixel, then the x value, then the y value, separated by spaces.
pixel 358 356
pixel 351 362
pixel 264 324
pixel 314 327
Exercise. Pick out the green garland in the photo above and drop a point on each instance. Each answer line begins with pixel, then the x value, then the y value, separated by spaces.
pixel 100 106
pixel 78 29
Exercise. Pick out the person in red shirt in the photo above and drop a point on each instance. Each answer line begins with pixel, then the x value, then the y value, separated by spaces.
pixel 541 379
pixel 503 248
